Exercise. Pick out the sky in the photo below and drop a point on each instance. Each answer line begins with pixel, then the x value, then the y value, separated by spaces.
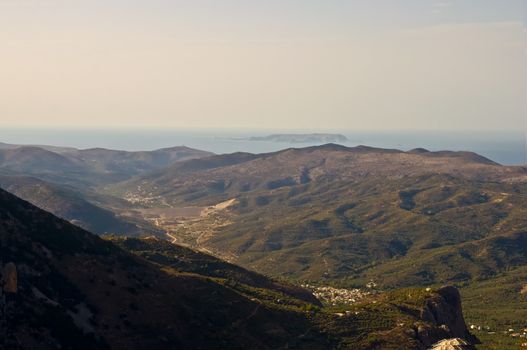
pixel 325 64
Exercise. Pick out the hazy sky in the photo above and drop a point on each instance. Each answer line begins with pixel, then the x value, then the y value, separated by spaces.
pixel 368 64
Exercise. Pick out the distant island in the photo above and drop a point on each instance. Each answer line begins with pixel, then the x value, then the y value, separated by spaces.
pixel 301 138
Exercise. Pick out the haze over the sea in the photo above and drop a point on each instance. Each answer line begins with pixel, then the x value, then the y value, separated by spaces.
pixel 502 147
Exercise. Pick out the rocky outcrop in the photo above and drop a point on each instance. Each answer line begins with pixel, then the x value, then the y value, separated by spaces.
pixel 9 280
pixel 8 287
pixel 453 344
pixel 442 317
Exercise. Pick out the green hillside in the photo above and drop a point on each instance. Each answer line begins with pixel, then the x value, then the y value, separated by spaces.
pixel 349 214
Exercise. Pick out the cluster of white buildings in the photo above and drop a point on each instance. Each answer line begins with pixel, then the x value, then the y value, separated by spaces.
pixel 140 199
pixel 337 296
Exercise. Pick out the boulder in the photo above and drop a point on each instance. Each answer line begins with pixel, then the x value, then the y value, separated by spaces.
pixel 445 309
pixel 453 344
pixel 9 278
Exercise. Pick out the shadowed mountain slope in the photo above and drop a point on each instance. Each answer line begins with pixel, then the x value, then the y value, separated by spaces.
pixel 73 205
pixel 184 259
pixel 78 291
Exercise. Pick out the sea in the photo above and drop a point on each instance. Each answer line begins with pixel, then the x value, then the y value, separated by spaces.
pixel 508 148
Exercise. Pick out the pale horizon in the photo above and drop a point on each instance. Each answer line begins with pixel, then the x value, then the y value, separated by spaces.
pixel 342 65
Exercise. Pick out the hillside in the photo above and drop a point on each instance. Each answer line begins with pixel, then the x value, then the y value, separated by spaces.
pixel 64 287
pixel 347 215
pixel 64 181
pixel 184 259
pixel 77 290
pixel 243 172
pixel 89 167
pixel 496 305
pixel 75 206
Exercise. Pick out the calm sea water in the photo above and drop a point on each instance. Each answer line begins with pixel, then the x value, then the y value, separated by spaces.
pixel 505 148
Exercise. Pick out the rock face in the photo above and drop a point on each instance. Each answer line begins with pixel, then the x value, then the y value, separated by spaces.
pixel 8 286
pixel 446 310
pixel 443 311
pixel 453 344
pixel 9 278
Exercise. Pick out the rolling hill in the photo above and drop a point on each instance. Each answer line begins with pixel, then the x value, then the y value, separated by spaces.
pixel 350 214
pixel 89 167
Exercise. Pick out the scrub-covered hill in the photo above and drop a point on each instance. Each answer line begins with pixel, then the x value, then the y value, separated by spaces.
pixel 348 214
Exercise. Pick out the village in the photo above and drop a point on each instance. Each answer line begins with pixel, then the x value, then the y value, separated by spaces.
pixel 339 296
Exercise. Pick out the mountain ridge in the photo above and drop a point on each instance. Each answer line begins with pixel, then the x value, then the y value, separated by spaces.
pixel 89 167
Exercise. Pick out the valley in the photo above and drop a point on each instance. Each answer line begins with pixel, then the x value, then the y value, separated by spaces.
pixel 69 287
pixel 330 218
pixel 190 226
